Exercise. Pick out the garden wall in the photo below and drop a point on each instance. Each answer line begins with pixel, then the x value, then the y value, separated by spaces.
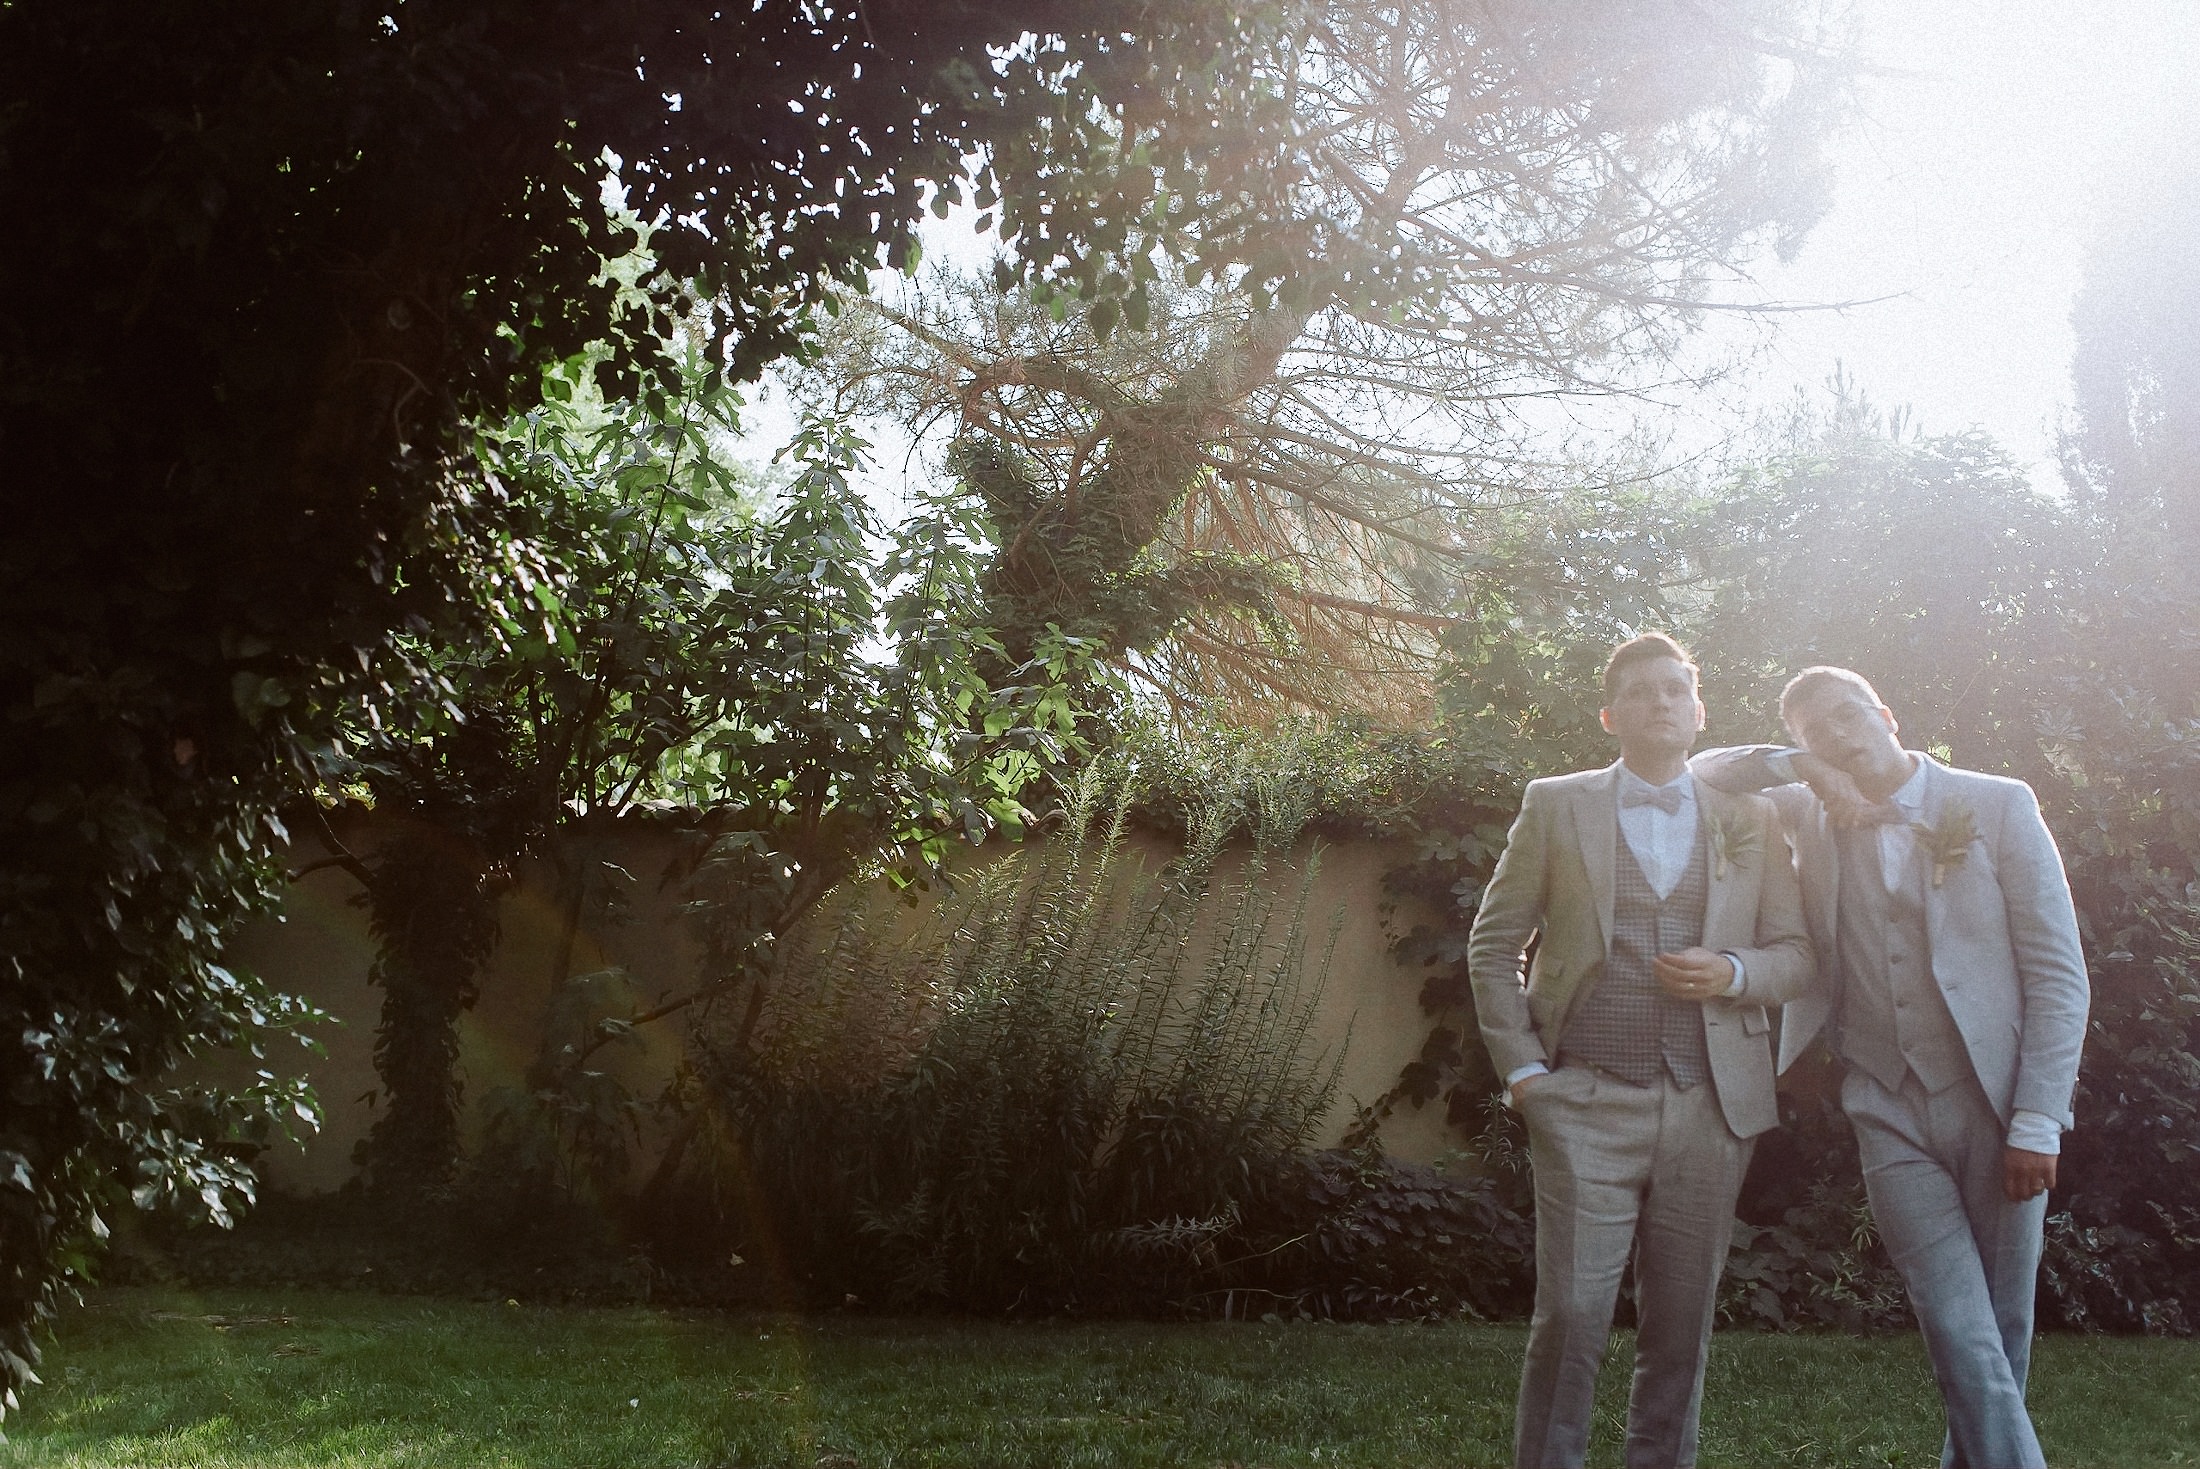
pixel 321 949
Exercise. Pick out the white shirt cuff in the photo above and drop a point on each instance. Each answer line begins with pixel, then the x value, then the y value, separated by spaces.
pixel 1520 1074
pixel 1734 990
pixel 2035 1132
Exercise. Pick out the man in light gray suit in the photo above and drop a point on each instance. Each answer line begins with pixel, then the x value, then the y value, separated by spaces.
pixel 1637 1049
pixel 1955 993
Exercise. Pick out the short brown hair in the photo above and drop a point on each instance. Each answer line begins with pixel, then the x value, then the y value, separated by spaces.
pixel 1816 677
pixel 1641 650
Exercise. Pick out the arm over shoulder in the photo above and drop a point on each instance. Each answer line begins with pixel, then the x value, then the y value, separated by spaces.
pixel 1742 769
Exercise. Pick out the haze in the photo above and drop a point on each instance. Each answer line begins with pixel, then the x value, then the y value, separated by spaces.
pixel 2003 135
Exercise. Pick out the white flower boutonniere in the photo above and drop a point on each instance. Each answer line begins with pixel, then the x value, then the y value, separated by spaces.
pixel 1947 841
pixel 1733 843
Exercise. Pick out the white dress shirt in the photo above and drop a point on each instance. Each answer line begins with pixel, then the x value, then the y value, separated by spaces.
pixel 1662 842
pixel 1898 855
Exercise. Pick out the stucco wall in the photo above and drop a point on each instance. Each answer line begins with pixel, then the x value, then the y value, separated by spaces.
pixel 322 950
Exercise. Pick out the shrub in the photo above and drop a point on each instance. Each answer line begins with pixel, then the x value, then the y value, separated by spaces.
pixel 1358 1235
pixel 1063 1099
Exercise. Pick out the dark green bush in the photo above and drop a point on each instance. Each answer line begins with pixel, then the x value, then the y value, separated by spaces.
pixel 1082 1087
pixel 1357 1235
pixel 1058 1098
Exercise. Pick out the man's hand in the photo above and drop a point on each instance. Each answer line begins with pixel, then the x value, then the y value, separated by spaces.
pixel 1836 790
pixel 1519 1088
pixel 2026 1175
pixel 1694 974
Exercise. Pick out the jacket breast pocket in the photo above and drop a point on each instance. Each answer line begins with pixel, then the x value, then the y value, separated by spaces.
pixel 1755 1021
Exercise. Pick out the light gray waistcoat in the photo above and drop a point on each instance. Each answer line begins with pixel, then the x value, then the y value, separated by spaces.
pixel 1893 1017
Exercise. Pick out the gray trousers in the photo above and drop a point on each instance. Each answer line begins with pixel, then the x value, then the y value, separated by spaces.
pixel 1969 1258
pixel 1620 1168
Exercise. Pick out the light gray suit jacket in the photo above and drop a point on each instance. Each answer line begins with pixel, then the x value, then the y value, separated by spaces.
pixel 2004 933
pixel 1555 878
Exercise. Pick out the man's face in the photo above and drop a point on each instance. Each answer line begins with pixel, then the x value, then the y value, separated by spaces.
pixel 1654 708
pixel 1845 727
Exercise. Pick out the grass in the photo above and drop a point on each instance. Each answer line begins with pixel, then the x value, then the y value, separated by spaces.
pixel 332 1378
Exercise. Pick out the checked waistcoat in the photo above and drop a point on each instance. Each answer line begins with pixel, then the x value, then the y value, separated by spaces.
pixel 1627 1025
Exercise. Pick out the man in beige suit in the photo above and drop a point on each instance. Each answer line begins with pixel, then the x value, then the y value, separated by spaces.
pixel 1637 1049
pixel 1955 995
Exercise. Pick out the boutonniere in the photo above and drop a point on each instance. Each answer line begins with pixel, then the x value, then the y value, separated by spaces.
pixel 1948 840
pixel 1733 843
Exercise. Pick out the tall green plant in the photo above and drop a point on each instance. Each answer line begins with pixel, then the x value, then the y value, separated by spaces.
pixel 1092 1097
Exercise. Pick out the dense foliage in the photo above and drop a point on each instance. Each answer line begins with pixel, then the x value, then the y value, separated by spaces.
pixel 563 704
pixel 287 258
pixel 819 690
pixel 813 689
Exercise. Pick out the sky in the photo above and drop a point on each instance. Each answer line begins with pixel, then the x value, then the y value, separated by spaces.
pixel 1993 140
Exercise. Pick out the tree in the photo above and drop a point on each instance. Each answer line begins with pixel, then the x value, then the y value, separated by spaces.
pixel 2117 723
pixel 2133 448
pixel 1311 411
pixel 565 706
pixel 288 257
pixel 811 685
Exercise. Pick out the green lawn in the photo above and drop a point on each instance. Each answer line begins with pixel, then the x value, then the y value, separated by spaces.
pixel 320 1378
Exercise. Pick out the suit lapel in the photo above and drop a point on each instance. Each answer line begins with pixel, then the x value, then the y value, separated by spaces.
pixel 1930 811
pixel 1712 809
pixel 1823 834
pixel 1596 831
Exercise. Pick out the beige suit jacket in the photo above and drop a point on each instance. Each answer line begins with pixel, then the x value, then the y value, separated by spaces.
pixel 1555 880
pixel 2004 932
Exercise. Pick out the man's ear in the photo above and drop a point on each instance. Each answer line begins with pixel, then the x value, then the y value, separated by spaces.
pixel 1893 725
pixel 1604 717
